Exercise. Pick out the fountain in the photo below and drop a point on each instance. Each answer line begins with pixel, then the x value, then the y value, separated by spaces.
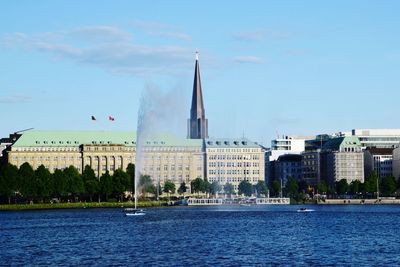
pixel 157 113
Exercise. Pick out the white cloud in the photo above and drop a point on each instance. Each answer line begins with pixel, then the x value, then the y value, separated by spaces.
pixel 101 33
pixel 162 30
pixel 12 99
pixel 259 35
pixel 107 47
pixel 249 36
pixel 248 59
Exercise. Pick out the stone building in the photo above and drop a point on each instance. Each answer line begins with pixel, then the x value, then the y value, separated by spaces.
pixel 342 158
pixel 164 157
pixel 234 160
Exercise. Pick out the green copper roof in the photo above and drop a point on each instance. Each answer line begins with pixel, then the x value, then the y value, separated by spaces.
pixel 77 138
pixel 342 142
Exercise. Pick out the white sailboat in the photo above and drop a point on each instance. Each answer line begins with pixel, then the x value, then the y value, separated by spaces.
pixel 134 211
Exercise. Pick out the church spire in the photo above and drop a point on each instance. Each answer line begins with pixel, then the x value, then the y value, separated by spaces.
pixel 197 124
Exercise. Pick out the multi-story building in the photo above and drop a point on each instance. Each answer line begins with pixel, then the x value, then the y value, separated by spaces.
pixel 379 138
pixel 169 158
pixel 342 158
pixel 378 160
pixel 396 163
pixel 164 157
pixel 234 160
pixel 288 165
pixel 311 167
pixel 282 146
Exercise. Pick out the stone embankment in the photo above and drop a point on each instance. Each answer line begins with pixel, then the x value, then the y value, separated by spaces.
pixel 381 201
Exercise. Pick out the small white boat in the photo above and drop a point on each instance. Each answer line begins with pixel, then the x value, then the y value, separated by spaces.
pixel 134 212
pixel 305 210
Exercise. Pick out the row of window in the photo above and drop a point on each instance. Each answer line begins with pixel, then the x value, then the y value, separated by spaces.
pixel 219 150
pixel 105 148
pixel 51 149
pixel 233 172
pixel 47 158
pixel 233 164
pixel 234 157
pixel 224 180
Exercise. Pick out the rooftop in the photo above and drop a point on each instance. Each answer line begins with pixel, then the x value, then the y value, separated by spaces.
pixel 77 138
pixel 344 141
pixel 230 143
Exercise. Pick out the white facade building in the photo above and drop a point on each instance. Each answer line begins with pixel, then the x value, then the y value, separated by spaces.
pixel 234 160
pixel 396 163
pixel 379 138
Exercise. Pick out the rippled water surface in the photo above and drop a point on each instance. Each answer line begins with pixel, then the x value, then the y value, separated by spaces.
pixel 183 236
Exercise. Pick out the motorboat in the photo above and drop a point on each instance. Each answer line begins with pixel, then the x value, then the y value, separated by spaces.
pixel 305 210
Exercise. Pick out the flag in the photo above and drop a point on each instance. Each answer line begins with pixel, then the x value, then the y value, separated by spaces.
pixel 111 118
pixel 93 118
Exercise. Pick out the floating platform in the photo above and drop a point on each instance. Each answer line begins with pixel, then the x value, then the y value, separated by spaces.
pixel 221 201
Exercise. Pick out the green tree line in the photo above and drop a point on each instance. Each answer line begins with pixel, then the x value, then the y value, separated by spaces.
pixel 300 190
pixel 25 184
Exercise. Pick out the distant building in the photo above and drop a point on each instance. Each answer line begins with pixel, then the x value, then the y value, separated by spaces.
pixel 164 157
pixel 288 165
pixel 5 145
pixel 311 167
pixel 342 158
pixel 378 160
pixel 197 124
pixel 317 142
pixel 234 160
pixel 396 163
pixel 282 146
pixel 379 138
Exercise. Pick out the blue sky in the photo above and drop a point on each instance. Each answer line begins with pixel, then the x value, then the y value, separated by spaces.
pixel 267 67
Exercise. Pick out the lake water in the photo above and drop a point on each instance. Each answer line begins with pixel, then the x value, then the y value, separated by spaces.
pixel 198 236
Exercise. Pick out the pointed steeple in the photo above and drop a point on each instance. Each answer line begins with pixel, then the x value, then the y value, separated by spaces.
pixel 197 124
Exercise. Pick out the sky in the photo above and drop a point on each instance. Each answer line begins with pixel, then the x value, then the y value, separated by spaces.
pixel 268 68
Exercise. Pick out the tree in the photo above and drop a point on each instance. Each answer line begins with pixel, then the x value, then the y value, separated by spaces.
pixel 322 187
pixel 370 183
pixel 245 188
pixel 388 185
pixel 121 183
pixel 342 187
pixel 9 180
pixel 90 182
pixel 130 170
pixel 28 185
pixel 146 184
pixel 44 182
pixel 355 187
pixel 75 185
pixel 59 182
pixel 206 186
pixel 196 186
pixel 169 187
pixel 182 189
pixel 303 186
pixel 229 189
pixel 106 185
pixel 261 188
pixel 215 188
pixel 292 187
pixel 276 187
